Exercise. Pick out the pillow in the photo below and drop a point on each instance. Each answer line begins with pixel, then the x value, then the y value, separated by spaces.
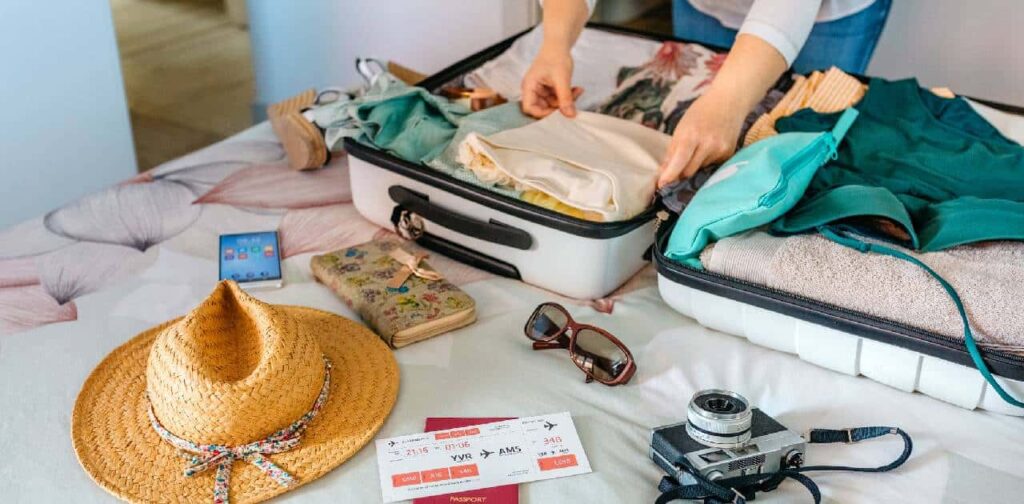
pixel 756 186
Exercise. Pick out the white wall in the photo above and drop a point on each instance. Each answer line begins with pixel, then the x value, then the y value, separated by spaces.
pixel 313 43
pixel 975 48
pixel 63 118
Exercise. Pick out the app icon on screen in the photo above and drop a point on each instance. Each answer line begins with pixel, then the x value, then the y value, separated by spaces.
pixel 250 275
pixel 243 256
pixel 268 251
pixel 255 249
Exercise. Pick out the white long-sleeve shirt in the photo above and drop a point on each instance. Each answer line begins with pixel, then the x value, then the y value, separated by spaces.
pixel 785 24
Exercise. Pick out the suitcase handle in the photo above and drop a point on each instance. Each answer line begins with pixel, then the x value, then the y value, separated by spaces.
pixel 490 231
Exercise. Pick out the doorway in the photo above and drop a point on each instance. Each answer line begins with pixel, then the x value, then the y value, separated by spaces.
pixel 187 71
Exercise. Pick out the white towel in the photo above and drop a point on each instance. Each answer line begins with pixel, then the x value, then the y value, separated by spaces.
pixel 594 162
pixel 988 278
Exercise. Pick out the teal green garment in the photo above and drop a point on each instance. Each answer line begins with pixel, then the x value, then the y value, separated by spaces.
pixel 415 125
pixel 930 164
pixel 399 119
pixel 484 122
pixel 753 188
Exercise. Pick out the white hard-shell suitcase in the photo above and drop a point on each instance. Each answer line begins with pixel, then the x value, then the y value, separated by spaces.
pixel 850 342
pixel 853 343
pixel 574 257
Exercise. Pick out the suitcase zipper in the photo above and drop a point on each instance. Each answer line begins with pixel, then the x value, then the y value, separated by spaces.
pixel 660 219
pixel 772 197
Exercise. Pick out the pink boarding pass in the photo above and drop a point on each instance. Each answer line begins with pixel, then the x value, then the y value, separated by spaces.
pixel 482 456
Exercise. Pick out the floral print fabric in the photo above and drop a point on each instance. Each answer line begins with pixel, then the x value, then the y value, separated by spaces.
pixel 359 275
pixel 658 92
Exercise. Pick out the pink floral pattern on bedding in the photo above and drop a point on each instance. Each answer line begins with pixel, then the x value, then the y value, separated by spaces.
pixel 113 235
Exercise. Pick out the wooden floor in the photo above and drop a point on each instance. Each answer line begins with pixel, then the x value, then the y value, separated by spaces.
pixel 187 73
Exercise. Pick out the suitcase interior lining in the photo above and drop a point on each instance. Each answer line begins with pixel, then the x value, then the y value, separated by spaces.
pixel 532 213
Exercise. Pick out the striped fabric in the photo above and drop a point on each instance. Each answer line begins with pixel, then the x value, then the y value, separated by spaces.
pixel 831 91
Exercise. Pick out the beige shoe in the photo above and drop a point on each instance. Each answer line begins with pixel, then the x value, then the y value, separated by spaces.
pixel 302 141
pixel 405 74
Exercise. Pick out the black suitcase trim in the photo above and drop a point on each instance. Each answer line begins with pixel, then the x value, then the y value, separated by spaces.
pixel 859 324
pixel 502 203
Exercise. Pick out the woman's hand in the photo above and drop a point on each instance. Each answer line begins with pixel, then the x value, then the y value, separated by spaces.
pixel 706 134
pixel 709 130
pixel 546 86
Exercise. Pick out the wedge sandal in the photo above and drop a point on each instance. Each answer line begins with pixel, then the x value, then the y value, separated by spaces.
pixel 303 142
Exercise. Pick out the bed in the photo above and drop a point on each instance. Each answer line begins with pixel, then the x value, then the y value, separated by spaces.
pixel 84 278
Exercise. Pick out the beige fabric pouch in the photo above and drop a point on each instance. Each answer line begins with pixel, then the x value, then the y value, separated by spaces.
pixel 593 162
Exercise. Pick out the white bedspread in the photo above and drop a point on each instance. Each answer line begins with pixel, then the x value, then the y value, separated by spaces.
pixel 118 278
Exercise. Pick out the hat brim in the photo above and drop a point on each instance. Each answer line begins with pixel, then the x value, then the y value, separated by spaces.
pixel 117 446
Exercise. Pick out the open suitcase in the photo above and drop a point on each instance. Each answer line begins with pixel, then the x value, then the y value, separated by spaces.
pixel 503 235
pixel 858 344
pixel 853 343
pixel 587 260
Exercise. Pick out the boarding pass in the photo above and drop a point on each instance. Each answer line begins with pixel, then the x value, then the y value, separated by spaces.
pixel 482 456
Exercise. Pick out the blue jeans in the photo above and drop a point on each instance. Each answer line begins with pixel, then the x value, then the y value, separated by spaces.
pixel 846 42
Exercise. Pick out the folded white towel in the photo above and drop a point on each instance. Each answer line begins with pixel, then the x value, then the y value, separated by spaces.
pixel 987 276
pixel 593 162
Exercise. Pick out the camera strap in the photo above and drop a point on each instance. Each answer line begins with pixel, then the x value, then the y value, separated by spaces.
pixel 740 489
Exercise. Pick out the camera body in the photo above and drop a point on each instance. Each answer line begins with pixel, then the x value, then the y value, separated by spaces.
pixel 724 437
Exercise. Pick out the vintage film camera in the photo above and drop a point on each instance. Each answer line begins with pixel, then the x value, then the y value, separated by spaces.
pixel 724 437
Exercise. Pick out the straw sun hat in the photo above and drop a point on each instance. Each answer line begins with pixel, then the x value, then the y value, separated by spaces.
pixel 260 398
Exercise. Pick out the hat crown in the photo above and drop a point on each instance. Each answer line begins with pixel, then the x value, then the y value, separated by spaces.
pixel 233 371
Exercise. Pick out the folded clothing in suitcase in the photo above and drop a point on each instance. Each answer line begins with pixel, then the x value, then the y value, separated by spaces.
pixel 892 317
pixel 501 230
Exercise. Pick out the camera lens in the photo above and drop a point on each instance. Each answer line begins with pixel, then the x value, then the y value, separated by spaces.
pixel 719 418
pixel 721 404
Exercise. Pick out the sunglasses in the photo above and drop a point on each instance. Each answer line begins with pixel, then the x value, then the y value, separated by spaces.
pixel 596 352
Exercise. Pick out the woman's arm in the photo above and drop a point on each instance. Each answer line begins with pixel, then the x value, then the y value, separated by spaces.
pixel 708 131
pixel 772 35
pixel 547 84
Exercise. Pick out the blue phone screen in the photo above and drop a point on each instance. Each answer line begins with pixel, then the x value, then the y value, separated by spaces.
pixel 250 257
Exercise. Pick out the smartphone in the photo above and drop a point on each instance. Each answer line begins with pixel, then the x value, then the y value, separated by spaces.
pixel 251 259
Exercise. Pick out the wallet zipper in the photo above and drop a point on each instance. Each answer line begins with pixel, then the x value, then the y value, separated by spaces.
pixel 439 326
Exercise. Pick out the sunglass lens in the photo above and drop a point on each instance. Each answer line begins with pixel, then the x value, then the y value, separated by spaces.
pixel 547 321
pixel 599 355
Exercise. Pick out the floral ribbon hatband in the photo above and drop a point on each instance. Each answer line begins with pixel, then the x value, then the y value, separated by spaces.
pixel 206 456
